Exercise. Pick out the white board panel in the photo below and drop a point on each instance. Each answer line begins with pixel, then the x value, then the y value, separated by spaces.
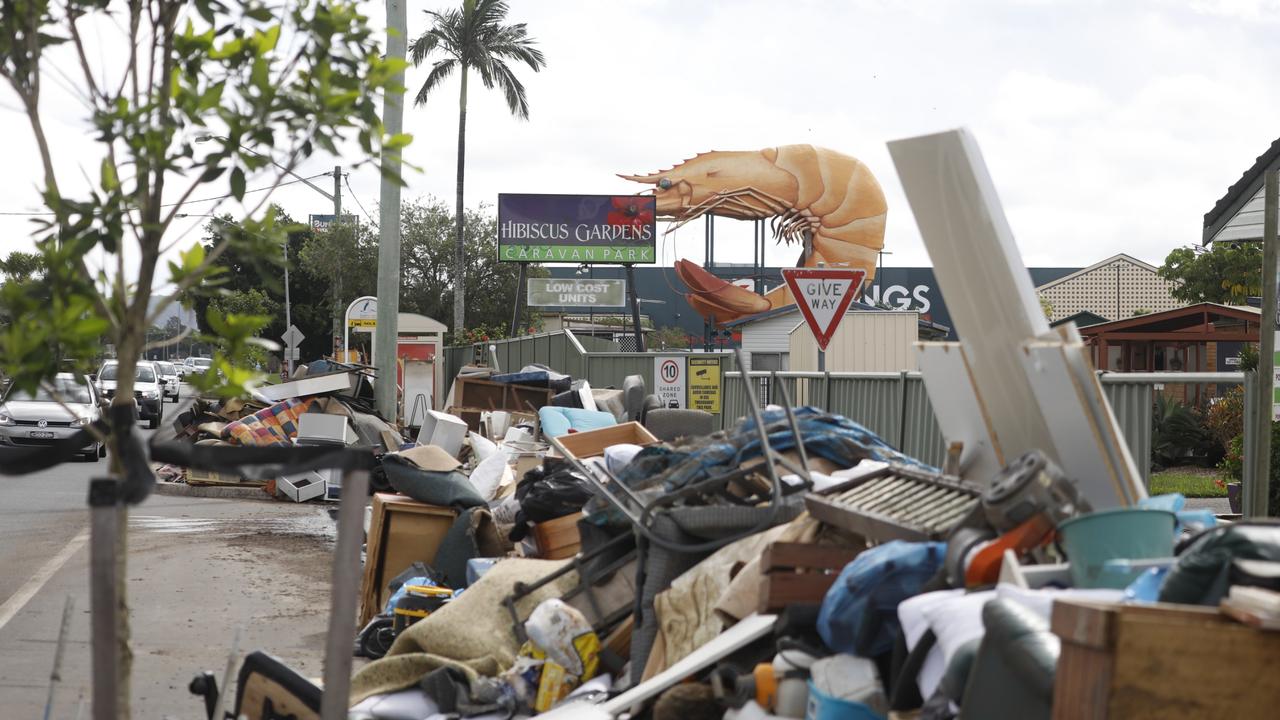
pixel 961 416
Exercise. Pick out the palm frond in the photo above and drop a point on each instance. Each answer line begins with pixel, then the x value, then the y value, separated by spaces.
pixel 512 89
pixel 441 70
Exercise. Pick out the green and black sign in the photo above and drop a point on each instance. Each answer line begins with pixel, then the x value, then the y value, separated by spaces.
pixel 559 292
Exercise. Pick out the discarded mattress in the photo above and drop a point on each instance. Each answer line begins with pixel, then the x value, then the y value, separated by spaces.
pixel 273 426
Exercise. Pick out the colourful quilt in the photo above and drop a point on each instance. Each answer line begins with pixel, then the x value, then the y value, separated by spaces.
pixel 273 426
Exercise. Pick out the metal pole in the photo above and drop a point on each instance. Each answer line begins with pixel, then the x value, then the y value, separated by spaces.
pixel 104 595
pixel 288 312
pixel 822 360
pixel 515 316
pixel 635 306
pixel 1256 502
pixel 337 193
pixel 387 331
pixel 342 596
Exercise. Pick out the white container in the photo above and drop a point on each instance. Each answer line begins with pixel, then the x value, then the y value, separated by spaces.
pixel 791 670
pixel 303 486
pixel 322 426
pixel 443 430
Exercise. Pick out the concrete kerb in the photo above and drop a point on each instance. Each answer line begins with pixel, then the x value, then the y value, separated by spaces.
pixel 221 492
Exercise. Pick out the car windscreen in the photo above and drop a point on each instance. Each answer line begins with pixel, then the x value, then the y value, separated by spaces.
pixel 165 368
pixel 63 390
pixel 145 373
pixel 202 362
pixel 109 372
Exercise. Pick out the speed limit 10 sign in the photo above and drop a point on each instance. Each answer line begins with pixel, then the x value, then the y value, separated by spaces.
pixel 670 380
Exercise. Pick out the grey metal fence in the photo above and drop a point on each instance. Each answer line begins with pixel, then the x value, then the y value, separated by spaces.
pixel 896 406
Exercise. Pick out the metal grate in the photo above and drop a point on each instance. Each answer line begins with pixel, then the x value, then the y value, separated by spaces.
pixel 896 504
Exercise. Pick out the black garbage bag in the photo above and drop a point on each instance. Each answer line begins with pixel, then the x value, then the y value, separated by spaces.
pixel 1203 573
pixel 549 492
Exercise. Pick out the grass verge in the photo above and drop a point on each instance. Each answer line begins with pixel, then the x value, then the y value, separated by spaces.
pixel 1190 481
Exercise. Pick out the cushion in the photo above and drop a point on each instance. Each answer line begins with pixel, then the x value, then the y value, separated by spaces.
pixel 446 489
pixel 557 421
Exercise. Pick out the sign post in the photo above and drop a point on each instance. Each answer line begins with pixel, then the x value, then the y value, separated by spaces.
pixel 292 338
pixel 823 295
pixel 361 313
pixel 670 380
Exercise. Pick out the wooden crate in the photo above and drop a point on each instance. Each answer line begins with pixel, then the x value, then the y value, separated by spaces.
pixel 558 539
pixel 800 573
pixel 402 531
pixel 488 395
pixel 591 443
pixel 1165 662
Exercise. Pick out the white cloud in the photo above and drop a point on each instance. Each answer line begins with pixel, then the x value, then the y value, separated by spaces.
pixel 1107 126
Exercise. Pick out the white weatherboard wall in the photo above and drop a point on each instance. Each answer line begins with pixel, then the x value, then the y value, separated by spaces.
pixel 864 342
pixel 1246 224
pixel 771 335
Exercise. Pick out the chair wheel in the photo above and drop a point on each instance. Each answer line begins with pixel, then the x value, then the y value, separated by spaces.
pixel 376 638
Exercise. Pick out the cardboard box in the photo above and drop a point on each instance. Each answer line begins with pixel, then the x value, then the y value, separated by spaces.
pixel 1161 661
pixel 322 426
pixel 443 430
pixel 401 532
pixel 558 539
pixel 593 442
pixel 303 486
pixel 212 477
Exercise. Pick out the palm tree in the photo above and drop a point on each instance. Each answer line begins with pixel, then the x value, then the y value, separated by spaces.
pixel 474 36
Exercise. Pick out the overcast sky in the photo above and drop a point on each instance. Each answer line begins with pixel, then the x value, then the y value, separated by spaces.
pixel 1108 126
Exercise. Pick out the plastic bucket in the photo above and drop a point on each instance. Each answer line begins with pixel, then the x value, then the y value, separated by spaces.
pixel 1125 533
pixel 822 706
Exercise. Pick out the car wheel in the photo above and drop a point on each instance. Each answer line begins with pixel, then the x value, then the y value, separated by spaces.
pixel 102 450
pixel 91 456
pixel 153 422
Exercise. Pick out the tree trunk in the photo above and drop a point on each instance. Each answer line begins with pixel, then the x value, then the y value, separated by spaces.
pixel 459 246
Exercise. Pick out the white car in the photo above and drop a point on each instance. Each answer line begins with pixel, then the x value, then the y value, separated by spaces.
pixel 55 412
pixel 172 382
pixel 147 388
pixel 197 364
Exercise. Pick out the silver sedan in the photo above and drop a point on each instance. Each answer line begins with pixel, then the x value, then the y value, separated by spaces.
pixel 55 412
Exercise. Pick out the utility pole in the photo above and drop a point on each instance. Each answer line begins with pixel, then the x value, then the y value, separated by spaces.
pixel 337 286
pixel 1255 502
pixel 385 334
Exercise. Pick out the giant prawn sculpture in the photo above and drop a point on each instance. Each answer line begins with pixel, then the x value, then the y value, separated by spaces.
pixel 826 201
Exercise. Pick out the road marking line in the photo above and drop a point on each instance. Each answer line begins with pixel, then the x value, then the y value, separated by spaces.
pixel 19 599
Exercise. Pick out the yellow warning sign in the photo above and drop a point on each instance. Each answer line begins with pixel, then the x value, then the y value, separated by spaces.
pixel 704 384
pixel 363 322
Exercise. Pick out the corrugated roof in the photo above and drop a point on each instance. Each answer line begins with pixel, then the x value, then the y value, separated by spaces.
pixel 1240 192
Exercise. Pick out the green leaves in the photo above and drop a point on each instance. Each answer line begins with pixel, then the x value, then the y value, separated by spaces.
pixel 1224 273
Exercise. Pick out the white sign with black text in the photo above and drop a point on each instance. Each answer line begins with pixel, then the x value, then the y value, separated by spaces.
pixel 670 381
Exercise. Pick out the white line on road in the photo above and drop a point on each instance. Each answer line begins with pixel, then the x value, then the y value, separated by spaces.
pixel 18 600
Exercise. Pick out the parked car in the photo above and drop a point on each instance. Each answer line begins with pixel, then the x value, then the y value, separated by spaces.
pixel 197 364
pixel 172 382
pixel 52 413
pixel 147 389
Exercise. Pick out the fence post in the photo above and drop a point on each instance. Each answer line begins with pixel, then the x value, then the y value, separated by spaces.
pixel 902 409
pixel 1253 489
pixel 826 391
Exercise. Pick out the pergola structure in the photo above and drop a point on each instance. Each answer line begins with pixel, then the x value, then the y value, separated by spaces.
pixel 1180 340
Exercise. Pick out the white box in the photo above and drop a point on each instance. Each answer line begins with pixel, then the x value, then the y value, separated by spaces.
pixel 303 486
pixel 443 430
pixel 322 426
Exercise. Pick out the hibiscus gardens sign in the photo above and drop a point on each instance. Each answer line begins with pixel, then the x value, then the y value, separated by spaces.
pixel 577 228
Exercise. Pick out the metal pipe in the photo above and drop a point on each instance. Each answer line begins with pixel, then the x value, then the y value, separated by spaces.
pixel 343 594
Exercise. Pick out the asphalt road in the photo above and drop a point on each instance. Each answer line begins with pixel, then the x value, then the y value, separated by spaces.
pixel 198 569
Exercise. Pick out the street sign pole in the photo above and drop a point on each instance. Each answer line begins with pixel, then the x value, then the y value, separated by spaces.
pixel 823 295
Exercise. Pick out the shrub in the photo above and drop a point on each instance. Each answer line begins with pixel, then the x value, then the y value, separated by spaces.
pixel 1178 436
pixel 1225 418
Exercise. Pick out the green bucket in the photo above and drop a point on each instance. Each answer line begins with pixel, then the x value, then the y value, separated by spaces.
pixel 1121 534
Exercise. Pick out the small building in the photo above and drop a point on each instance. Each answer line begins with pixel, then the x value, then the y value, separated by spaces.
pixel 1082 319
pixel 1187 339
pixel 767 336
pixel 1119 287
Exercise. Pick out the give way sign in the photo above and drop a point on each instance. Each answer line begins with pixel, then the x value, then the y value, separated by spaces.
pixel 823 295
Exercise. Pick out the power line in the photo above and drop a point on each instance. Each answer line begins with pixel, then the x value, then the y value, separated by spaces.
pixel 347 179
pixel 15 213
